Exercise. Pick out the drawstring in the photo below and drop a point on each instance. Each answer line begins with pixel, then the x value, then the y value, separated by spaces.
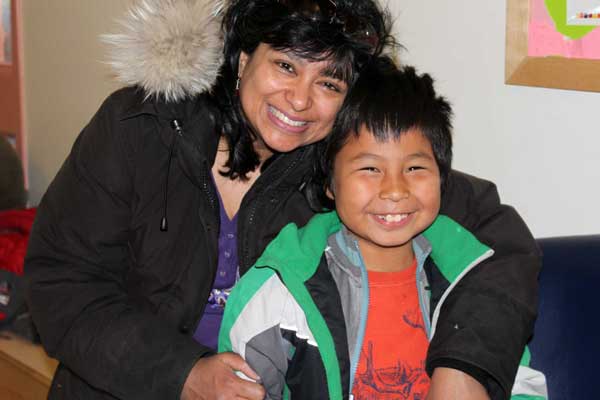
pixel 164 224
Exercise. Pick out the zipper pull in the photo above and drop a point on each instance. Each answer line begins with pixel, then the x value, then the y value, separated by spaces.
pixel 177 127
pixel 164 223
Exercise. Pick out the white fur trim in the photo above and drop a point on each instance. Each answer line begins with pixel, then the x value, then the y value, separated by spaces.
pixel 171 48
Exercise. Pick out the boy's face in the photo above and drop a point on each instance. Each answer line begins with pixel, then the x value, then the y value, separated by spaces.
pixel 386 193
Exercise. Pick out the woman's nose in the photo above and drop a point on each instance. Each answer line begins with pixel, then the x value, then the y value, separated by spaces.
pixel 299 96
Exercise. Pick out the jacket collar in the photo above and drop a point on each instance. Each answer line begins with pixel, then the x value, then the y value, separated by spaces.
pixel 452 248
pixel 297 251
pixel 343 248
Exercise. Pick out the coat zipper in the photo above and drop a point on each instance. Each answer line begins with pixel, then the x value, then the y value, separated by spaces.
pixel 364 311
pixel 207 229
pixel 436 312
pixel 246 254
pixel 423 298
pixel 176 126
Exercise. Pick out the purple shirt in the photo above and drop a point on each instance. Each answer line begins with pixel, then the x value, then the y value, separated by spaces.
pixel 207 332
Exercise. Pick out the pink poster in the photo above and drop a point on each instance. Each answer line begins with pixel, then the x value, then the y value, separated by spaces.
pixel 553 33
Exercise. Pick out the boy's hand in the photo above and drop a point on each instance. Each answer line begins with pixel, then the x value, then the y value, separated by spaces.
pixel 214 378
pixel 452 384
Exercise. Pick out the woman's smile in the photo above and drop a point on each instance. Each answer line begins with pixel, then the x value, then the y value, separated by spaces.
pixel 285 122
pixel 289 101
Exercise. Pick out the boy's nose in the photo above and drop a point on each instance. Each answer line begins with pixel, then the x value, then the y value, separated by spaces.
pixel 394 189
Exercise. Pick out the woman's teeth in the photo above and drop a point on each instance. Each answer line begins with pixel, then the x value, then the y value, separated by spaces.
pixel 392 217
pixel 283 118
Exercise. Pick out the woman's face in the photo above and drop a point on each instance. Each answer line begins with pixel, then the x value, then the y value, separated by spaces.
pixel 289 101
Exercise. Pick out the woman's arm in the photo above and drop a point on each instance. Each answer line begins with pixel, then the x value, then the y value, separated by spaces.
pixel 76 265
pixel 452 384
pixel 489 317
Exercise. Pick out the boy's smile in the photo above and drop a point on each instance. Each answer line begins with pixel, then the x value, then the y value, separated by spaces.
pixel 386 193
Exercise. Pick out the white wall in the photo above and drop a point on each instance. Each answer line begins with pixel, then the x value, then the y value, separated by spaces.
pixel 540 146
pixel 536 144
pixel 65 79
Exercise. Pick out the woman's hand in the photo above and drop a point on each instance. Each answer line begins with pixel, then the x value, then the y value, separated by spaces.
pixel 452 384
pixel 214 377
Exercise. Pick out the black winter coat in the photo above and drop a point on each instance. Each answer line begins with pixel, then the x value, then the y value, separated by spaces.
pixel 116 300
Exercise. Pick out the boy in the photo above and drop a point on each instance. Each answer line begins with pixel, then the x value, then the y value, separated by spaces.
pixel 347 305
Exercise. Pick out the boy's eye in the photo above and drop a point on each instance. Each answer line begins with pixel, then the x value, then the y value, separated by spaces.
pixel 415 168
pixel 369 169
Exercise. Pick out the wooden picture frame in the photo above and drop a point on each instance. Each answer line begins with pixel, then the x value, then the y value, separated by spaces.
pixel 550 72
pixel 12 105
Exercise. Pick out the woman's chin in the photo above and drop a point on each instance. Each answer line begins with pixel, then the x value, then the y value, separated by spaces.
pixel 282 143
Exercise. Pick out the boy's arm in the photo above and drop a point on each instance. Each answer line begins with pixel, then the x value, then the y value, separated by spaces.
pixel 250 327
pixel 488 318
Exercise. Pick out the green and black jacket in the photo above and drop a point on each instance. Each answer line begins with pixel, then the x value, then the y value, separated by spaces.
pixel 299 315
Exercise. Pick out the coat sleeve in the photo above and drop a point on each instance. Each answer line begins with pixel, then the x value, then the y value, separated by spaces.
pixel 75 269
pixel 488 318
pixel 255 312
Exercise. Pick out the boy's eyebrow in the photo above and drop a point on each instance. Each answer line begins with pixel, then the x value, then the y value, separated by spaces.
pixel 363 155
pixel 418 154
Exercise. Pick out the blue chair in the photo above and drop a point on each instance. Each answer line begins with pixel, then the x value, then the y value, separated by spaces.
pixel 566 342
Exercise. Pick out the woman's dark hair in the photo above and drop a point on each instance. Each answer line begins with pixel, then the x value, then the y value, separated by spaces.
pixel 388 101
pixel 346 32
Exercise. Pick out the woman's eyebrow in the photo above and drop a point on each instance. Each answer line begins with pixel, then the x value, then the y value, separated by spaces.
pixel 332 72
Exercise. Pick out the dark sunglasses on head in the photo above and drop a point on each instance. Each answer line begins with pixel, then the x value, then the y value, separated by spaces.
pixel 327 9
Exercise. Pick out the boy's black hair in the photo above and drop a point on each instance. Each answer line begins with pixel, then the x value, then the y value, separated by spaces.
pixel 347 32
pixel 388 101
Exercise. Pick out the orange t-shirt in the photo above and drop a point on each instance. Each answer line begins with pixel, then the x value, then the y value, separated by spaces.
pixel 392 358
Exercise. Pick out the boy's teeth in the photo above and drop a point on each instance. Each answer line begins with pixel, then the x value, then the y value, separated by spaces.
pixel 282 117
pixel 393 217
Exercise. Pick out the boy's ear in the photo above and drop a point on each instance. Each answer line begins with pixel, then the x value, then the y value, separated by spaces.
pixel 329 191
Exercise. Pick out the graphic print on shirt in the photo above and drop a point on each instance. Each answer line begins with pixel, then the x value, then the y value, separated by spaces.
pixel 398 382
pixel 392 360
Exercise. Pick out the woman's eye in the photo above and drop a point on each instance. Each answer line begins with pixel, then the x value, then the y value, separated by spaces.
pixel 285 66
pixel 331 86
pixel 415 168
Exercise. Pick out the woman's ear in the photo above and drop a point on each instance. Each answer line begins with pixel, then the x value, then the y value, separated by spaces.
pixel 244 57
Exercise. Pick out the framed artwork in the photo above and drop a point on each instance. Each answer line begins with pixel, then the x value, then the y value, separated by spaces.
pixel 12 124
pixel 5 32
pixel 553 43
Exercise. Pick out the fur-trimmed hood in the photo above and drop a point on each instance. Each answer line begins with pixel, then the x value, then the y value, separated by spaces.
pixel 173 49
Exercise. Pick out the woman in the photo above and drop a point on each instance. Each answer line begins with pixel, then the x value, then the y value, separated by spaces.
pixel 172 190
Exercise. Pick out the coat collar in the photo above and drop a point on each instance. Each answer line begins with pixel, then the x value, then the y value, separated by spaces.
pixel 172 49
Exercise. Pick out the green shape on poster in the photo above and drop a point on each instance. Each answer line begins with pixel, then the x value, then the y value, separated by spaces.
pixel 558 12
